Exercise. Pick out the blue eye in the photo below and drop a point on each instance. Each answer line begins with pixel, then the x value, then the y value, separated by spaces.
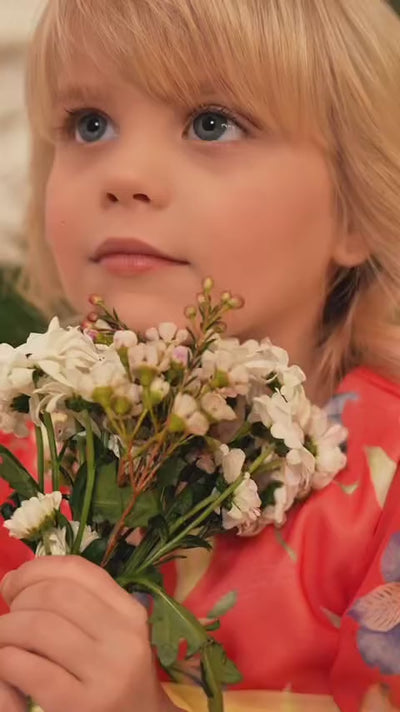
pixel 215 125
pixel 91 127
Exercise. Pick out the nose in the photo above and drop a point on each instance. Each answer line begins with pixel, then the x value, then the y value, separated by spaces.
pixel 136 174
pixel 139 197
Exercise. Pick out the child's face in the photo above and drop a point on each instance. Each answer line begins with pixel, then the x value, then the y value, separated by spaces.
pixel 215 196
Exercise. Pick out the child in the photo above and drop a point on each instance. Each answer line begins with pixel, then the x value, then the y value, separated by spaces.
pixel 256 141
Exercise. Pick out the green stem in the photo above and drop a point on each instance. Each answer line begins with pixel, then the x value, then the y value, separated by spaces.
pixel 46 543
pixel 179 522
pixel 174 543
pixel 215 696
pixel 55 469
pixel 90 482
pixel 261 459
pixel 40 456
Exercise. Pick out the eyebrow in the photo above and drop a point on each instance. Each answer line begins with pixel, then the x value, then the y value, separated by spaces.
pixel 80 93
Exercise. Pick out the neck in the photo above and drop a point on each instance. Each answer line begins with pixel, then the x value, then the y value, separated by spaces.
pixel 299 340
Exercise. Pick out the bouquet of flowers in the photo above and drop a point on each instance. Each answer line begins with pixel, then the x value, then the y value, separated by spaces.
pixel 158 442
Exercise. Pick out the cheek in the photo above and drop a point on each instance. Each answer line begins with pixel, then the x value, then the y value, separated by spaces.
pixel 62 231
pixel 275 218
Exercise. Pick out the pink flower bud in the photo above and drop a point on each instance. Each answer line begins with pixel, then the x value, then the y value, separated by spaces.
pixel 96 300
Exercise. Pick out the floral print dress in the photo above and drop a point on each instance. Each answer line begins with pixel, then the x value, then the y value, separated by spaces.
pixel 316 625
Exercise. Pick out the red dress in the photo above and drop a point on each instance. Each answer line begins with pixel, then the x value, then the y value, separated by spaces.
pixel 318 602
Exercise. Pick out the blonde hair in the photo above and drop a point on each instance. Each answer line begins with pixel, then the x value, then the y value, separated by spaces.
pixel 328 70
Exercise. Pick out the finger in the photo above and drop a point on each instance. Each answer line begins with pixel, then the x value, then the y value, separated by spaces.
pixel 79 606
pixel 49 636
pixel 11 700
pixel 51 687
pixel 82 572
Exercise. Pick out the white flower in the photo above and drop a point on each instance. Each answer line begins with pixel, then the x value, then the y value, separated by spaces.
pixel 246 505
pixel 167 332
pixel 216 407
pixel 33 515
pixel 300 470
pixel 89 535
pixel 284 496
pixel 184 405
pixel 276 414
pixel 13 422
pixel 49 397
pixel 264 359
pixel 231 462
pixel 291 378
pixel 180 356
pixel 127 398
pixel 223 365
pixel 115 445
pixel 15 380
pixel 159 390
pixel 326 438
pixel 59 350
pixel 153 356
pixel 186 415
pixel 125 339
pixel 57 540
pixel 108 373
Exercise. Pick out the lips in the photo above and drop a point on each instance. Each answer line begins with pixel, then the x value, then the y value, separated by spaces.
pixel 117 246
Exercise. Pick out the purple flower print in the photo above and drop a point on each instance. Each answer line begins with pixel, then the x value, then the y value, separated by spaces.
pixel 378 614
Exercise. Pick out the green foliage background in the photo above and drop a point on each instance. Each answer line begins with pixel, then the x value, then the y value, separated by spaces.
pixel 17 318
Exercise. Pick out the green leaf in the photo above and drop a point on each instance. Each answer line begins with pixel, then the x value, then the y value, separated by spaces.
pixel 217 669
pixel 95 551
pixel 194 542
pixel 172 623
pixel 78 493
pixel 212 626
pixel 183 502
pixel 109 500
pixel 146 507
pixel 16 475
pixel 170 471
pixel 268 496
pixel 159 526
pixel 18 317
pixel 224 605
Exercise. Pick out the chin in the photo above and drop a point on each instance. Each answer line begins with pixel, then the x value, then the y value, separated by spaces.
pixel 139 312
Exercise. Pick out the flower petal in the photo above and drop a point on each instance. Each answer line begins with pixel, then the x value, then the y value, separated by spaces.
pixel 381 650
pixel 379 610
pixel 391 559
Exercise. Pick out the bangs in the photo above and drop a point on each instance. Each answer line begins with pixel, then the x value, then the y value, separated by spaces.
pixel 260 58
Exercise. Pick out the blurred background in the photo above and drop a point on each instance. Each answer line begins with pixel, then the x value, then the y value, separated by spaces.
pixel 17 18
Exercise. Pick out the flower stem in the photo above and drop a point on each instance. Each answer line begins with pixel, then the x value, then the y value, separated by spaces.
pixel 261 459
pixel 176 612
pixel 55 468
pixel 46 542
pixel 90 481
pixel 40 456
pixel 173 544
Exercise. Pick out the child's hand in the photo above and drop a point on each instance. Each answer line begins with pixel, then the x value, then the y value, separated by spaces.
pixel 74 640
pixel 10 699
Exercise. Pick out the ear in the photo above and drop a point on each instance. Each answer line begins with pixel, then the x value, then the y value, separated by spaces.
pixel 350 250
